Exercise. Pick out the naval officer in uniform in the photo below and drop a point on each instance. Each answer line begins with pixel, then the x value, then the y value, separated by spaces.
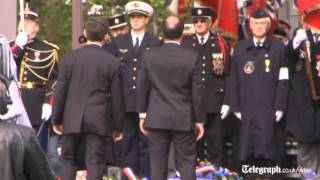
pixel 129 49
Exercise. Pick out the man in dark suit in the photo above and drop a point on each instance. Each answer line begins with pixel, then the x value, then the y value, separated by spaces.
pixel 214 53
pixel 129 49
pixel 170 102
pixel 81 112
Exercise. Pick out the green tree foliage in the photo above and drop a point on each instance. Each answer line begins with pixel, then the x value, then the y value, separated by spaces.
pixel 56 17
pixel 55 22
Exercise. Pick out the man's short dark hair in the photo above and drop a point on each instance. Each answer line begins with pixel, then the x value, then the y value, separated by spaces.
pixel 174 32
pixel 96 29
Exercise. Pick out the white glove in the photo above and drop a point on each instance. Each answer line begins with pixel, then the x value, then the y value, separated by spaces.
pixel 238 115
pixel 279 115
pixel 22 39
pixel 241 3
pixel 301 35
pixel 225 109
pixel 46 112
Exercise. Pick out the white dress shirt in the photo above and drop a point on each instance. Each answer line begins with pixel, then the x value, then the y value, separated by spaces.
pixel 206 37
pixel 134 37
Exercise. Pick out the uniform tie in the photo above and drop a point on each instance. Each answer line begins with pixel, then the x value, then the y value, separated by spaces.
pixel 258 44
pixel 136 46
pixel 202 40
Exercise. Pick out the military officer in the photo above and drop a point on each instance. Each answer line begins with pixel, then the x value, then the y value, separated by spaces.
pixel 258 90
pixel 214 54
pixel 37 69
pixel 303 109
pixel 118 24
pixel 129 49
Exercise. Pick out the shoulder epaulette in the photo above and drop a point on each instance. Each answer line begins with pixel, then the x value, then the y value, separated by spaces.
pixel 51 44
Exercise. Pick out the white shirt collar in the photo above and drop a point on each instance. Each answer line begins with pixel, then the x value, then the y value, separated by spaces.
pixel 174 42
pixel 206 37
pixel 255 40
pixel 94 43
pixel 135 36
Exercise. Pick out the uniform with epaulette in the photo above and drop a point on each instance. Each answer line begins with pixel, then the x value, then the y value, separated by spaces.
pixel 129 49
pixel 214 54
pixel 37 71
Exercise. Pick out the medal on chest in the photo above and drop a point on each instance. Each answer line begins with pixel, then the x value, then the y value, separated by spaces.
pixel 217 63
pixel 249 67
pixel 267 63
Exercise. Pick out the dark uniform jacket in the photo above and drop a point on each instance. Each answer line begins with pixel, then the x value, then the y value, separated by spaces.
pixel 213 84
pixel 303 115
pixel 122 47
pixel 86 77
pixel 37 66
pixel 169 88
pixel 21 155
pixel 258 87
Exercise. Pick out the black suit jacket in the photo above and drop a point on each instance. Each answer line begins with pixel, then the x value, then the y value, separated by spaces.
pixel 87 77
pixel 169 88
pixel 122 47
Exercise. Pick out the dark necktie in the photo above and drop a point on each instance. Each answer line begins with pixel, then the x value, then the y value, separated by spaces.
pixel 136 46
pixel 258 44
pixel 202 40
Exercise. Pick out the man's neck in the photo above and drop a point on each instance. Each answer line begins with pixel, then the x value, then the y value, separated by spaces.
pixel 174 41
pixel 98 43
pixel 138 32
pixel 203 34
pixel 260 38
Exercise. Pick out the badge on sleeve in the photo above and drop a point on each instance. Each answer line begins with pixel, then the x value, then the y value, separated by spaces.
pixel 267 63
pixel 284 73
pixel 249 67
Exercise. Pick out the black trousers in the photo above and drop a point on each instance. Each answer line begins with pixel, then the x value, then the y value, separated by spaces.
pixel 213 139
pixel 184 143
pixel 135 153
pixel 91 146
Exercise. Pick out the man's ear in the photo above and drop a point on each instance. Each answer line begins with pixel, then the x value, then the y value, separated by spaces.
pixel 147 20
